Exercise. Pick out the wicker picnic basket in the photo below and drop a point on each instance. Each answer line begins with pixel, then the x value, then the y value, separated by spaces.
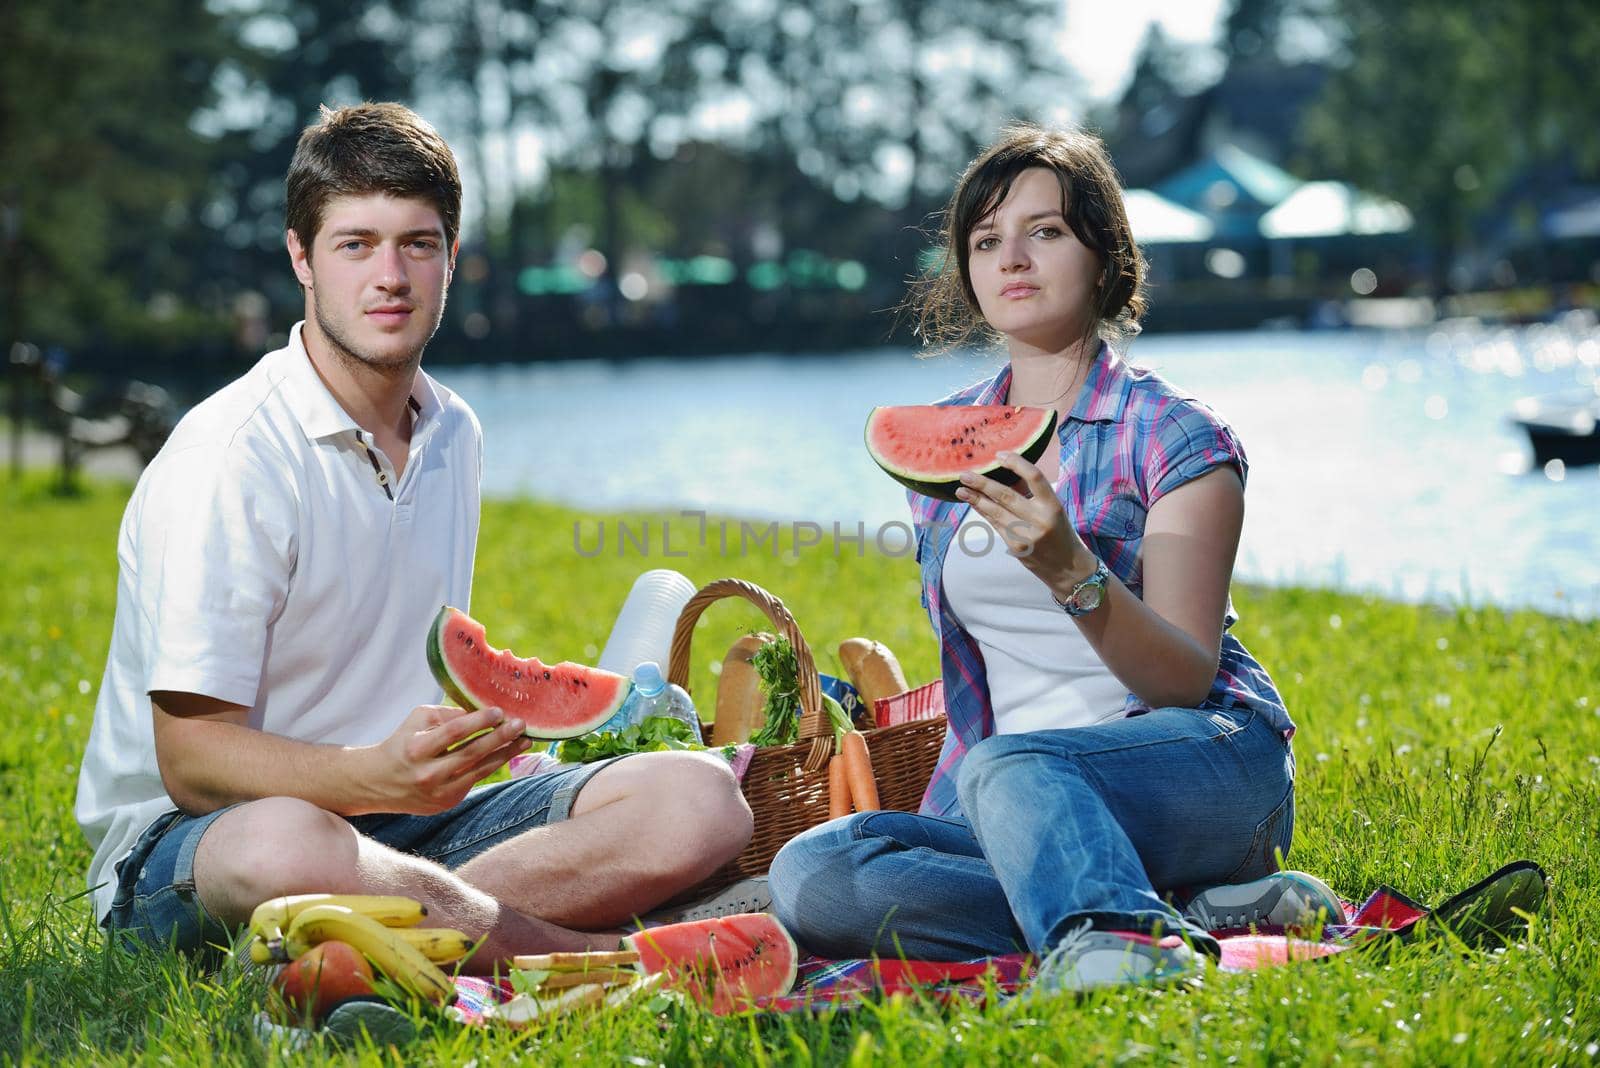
pixel 787 785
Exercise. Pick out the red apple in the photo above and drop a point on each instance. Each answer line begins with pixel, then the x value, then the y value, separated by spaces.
pixel 326 974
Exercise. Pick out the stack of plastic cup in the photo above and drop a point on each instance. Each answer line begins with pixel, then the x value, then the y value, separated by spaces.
pixel 643 630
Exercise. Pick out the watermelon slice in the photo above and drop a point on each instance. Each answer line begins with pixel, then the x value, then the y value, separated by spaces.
pixel 554 700
pixel 927 447
pixel 726 963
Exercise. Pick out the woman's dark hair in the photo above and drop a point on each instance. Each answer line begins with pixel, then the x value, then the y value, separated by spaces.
pixel 944 303
pixel 371 148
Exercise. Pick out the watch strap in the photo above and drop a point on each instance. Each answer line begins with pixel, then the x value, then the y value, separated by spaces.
pixel 1073 605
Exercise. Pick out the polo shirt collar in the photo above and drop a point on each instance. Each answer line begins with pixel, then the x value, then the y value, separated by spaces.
pixel 1102 399
pixel 319 411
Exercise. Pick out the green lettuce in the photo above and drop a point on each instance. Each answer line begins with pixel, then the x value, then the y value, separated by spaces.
pixel 656 734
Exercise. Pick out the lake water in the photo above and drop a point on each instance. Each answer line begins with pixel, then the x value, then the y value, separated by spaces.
pixel 1380 461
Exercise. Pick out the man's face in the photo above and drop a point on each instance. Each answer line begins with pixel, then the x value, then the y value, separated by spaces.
pixel 375 276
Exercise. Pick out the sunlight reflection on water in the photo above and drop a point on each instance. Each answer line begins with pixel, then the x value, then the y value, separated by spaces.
pixel 1380 461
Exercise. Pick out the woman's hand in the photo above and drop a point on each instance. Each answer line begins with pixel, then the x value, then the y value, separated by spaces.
pixel 1032 522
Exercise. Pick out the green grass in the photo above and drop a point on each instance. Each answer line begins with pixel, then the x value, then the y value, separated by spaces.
pixel 1434 746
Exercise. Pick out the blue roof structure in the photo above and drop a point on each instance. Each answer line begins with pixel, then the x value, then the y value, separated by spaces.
pixel 1232 188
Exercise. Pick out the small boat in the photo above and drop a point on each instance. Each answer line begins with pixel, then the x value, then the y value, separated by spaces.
pixel 1565 428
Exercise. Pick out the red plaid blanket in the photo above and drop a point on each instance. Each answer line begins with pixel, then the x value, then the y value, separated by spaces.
pixel 1488 909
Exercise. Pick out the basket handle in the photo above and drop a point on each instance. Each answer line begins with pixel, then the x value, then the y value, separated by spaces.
pixel 814 722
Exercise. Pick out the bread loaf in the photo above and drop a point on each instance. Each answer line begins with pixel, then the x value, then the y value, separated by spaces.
pixel 739 699
pixel 874 671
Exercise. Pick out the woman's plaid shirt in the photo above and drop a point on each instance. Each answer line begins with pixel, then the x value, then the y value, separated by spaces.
pixel 1130 438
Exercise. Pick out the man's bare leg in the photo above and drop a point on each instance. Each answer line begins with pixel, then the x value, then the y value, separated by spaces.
pixel 283 845
pixel 641 831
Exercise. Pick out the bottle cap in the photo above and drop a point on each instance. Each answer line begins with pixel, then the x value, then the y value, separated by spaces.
pixel 648 678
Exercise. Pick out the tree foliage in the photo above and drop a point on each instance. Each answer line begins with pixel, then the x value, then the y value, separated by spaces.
pixel 146 144
pixel 1440 104
pixel 102 173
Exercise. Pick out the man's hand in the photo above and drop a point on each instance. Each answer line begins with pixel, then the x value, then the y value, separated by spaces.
pixel 428 764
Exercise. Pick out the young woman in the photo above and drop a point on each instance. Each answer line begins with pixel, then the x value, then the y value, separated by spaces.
pixel 1109 741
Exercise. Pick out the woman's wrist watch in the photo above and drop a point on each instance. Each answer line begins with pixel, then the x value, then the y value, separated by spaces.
pixel 1087 595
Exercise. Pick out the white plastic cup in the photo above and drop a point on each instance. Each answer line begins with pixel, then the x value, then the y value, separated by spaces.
pixel 643 630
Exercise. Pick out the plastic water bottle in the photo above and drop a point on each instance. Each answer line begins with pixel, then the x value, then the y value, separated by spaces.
pixel 643 630
pixel 652 695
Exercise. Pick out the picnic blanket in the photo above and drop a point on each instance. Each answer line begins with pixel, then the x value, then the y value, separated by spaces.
pixel 1489 911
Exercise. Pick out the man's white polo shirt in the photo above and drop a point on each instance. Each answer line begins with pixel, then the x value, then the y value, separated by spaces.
pixel 270 558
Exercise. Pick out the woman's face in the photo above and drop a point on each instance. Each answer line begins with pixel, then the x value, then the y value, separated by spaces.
pixel 1033 278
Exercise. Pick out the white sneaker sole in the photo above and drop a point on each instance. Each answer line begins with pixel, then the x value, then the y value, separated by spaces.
pixel 746 895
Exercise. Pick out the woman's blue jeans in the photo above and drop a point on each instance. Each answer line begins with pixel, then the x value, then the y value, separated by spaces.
pixel 1061 827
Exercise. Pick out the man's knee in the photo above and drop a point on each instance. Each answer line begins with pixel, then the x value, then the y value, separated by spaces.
pixel 693 816
pixel 715 790
pixel 700 791
pixel 278 845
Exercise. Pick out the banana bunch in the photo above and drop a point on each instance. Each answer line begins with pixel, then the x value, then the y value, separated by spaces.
pixel 382 929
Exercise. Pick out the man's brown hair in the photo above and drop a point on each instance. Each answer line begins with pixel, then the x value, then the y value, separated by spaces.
pixel 365 149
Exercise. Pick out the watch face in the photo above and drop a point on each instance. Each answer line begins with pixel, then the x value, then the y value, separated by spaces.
pixel 1088 599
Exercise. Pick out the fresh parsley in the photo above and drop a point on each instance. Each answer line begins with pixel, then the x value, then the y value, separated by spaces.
pixel 779 675
pixel 657 734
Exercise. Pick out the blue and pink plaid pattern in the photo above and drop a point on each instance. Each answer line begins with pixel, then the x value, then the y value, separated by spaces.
pixel 1130 438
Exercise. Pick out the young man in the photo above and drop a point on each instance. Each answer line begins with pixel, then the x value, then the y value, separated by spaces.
pixel 267 722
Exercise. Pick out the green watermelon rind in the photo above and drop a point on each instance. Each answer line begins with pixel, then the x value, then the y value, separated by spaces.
pixel 945 489
pixel 687 958
pixel 436 664
pixel 458 689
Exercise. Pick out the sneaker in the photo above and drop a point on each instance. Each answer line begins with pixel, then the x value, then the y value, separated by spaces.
pixel 1287 900
pixel 1087 959
pixel 746 895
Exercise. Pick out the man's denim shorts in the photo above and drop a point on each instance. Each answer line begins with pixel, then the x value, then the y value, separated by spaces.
pixel 156 902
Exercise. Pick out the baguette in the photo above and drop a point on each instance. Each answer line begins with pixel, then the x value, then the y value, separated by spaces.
pixel 600 977
pixel 740 704
pixel 576 962
pixel 873 670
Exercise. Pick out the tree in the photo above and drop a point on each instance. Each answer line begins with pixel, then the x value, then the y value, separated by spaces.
pixel 292 57
pixel 101 172
pixel 1439 103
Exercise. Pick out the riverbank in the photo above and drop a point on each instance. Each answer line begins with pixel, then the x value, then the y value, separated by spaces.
pixel 1434 745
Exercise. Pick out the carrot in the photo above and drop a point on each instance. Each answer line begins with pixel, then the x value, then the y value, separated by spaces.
pixel 838 788
pixel 858 771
